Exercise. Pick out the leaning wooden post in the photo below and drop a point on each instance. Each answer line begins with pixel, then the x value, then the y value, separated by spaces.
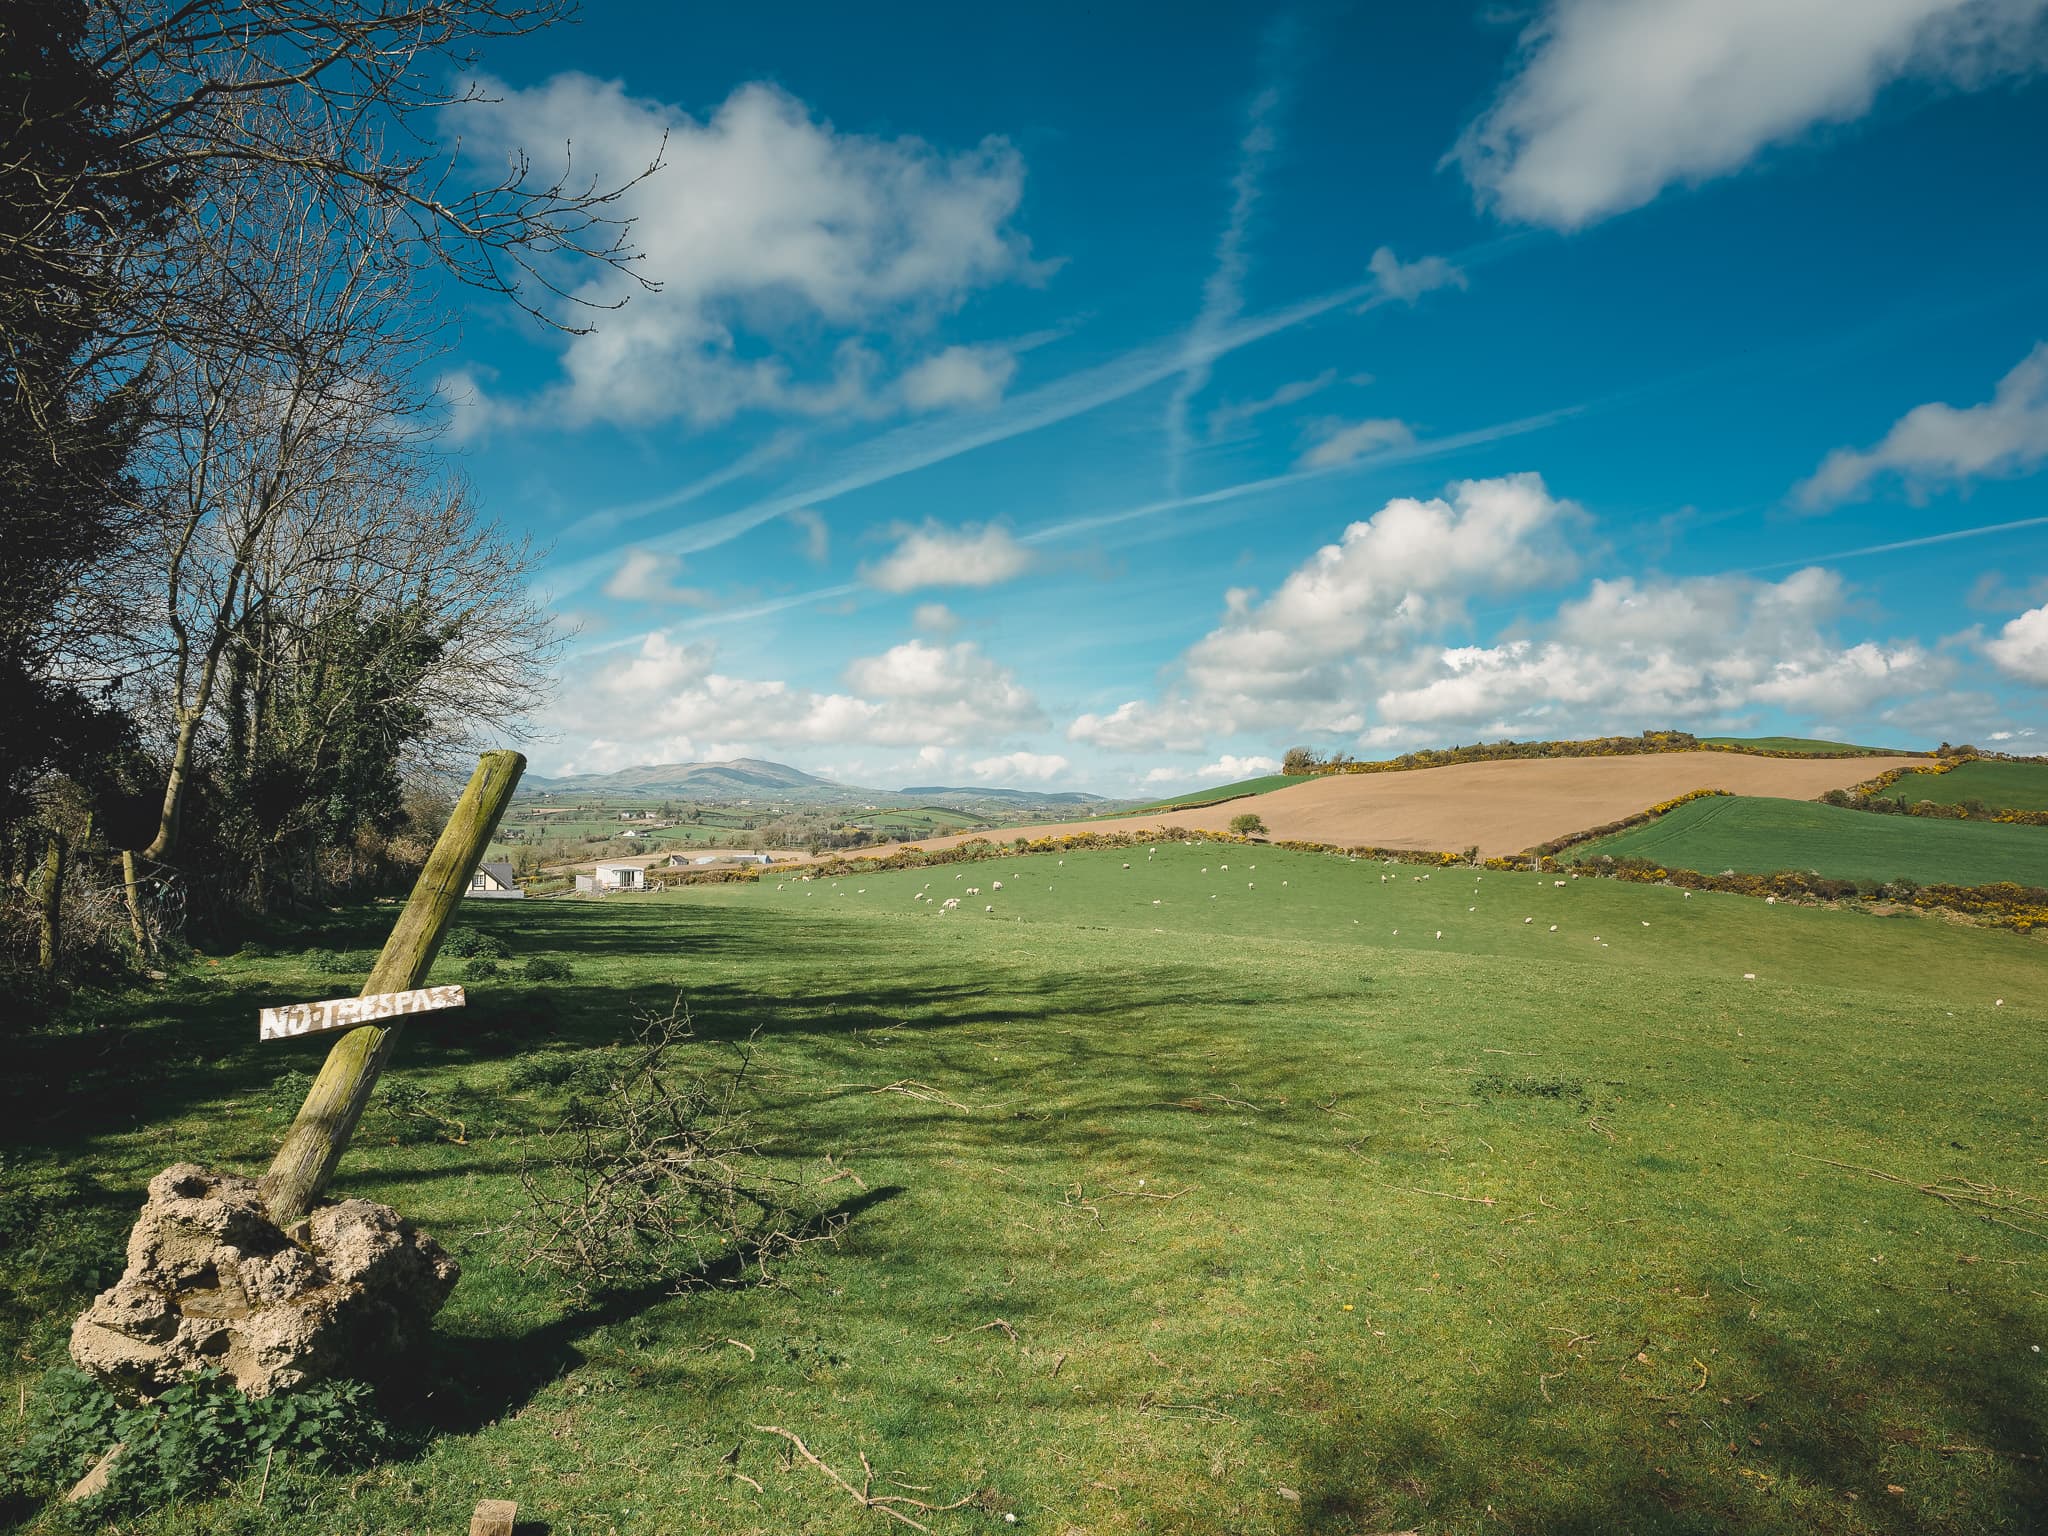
pixel 335 1102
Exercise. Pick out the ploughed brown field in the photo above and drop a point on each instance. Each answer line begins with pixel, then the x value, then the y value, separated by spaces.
pixel 1503 807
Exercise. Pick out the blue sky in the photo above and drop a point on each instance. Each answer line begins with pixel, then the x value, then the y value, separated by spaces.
pixel 1080 396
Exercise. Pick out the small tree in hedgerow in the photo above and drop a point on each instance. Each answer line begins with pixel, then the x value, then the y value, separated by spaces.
pixel 1247 824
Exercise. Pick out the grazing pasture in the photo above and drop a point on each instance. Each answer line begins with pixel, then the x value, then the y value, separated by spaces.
pixel 1297 1195
pixel 2021 786
pixel 1761 836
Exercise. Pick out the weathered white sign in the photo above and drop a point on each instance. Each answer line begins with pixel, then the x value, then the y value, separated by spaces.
pixel 347 1012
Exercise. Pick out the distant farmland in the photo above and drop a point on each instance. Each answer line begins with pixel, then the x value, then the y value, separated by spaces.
pixel 1760 837
pixel 2002 786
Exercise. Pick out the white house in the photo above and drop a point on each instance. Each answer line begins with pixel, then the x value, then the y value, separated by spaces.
pixel 613 877
pixel 494 881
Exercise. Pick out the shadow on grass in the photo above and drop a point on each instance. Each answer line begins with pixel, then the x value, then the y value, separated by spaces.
pixel 482 1377
pixel 1930 1433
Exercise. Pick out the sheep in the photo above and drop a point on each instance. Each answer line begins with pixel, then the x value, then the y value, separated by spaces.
pixel 1439 933
pixel 1528 919
pixel 1749 975
pixel 995 885
pixel 1155 901
pixel 1127 866
pixel 1553 927
pixel 988 909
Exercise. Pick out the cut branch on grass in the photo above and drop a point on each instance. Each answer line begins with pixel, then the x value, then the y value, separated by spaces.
pixel 1959 1193
pixel 656 1178
pixel 1435 1194
pixel 924 1093
pixel 865 1496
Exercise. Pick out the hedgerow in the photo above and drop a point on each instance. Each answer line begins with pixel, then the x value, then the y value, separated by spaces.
pixel 1508 751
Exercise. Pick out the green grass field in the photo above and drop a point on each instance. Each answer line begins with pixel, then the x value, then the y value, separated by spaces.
pixel 1257 786
pixel 1304 1218
pixel 1762 836
pixel 1806 744
pixel 2003 786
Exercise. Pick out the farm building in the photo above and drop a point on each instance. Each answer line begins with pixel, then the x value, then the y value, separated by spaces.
pixel 494 881
pixel 612 877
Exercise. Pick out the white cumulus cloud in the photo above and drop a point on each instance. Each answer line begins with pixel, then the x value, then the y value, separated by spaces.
pixel 959 376
pixel 665 700
pixel 1631 654
pixel 937 556
pixel 783 248
pixel 646 577
pixel 1611 101
pixel 1303 658
pixel 1936 443
pixel 1035 766
pixel 2020 649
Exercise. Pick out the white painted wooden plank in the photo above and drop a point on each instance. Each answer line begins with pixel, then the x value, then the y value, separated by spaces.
pixel 347 1012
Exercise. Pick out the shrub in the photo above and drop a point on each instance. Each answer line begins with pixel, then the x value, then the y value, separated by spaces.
pixel 346 962
pixel 482 968
pixel 1247 823
pixel 474 943
pixel 541 968
pixel 196 1436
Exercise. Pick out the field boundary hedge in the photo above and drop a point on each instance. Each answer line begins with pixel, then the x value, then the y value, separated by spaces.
pixel 1869 796
pixel 1600 746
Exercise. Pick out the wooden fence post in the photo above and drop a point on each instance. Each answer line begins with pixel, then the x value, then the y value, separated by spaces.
pixel 326 1121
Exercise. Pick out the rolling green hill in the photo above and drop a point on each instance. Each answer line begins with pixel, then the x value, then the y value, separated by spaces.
pixel 1761 836
pixel 1258 786
pixel 2002 786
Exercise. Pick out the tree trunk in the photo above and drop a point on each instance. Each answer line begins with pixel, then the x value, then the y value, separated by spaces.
pixel 53 905
pixel 320 1134
pixel 131 884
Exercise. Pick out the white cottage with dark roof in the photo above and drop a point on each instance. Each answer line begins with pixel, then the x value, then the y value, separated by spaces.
pixel 495 881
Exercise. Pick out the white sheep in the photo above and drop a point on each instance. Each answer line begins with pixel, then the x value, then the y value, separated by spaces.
pixel 1553 927
pixel 995 885
pixel 988 909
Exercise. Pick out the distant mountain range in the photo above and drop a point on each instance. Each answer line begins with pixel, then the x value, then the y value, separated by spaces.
pixel 751 778
pixel 743 776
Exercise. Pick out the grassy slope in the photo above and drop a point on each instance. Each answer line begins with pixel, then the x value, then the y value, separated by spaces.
pixel 1754 835
pixel 1253 1226
pixel 1258 786
pixel 2003 786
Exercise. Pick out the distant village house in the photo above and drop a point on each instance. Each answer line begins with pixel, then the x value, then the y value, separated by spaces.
pixel 612 877
pixel 494 881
